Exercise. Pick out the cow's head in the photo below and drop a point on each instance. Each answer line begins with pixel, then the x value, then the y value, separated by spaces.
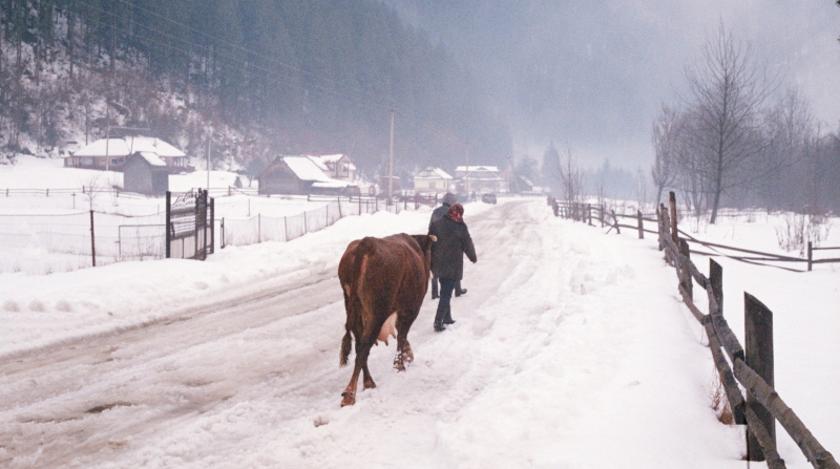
pixel 425 242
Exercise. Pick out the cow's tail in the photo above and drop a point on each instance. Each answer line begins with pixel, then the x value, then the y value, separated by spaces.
pixel 345 348
pixel 353 300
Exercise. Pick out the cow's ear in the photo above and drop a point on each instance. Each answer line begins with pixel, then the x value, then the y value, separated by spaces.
pixel 433 238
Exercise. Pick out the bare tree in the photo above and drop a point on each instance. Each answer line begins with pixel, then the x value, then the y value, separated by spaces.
pixel 665 146
pixel 789 130
pixel 571 178
pixel 728 91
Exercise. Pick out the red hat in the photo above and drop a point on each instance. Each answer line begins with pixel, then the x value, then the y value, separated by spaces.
pixel 456 212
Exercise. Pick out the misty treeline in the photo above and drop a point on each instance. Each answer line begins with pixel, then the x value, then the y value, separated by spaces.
pixel 263 76
pixel 744 139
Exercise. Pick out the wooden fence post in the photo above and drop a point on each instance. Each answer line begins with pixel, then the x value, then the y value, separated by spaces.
pixel 589 214
pixel 810 256
pixel 672 202
pixel 92 240
pixel 222 233
pixel 716 284
pixel 603 210
pixel 758 338
pixel 339 207
pixel 615 222
pixel 686 284
pixel 259 227
pixel 641 224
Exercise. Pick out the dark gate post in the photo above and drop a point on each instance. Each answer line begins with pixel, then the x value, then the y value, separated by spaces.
pixel 716 283
pixel 212 225
pixel 92 240
pixel 196 212
pixel 758 338
pixel 168 223
pixel 810 256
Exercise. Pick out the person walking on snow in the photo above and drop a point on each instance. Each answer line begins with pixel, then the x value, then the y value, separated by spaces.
pixel 453 241
pixel 437 214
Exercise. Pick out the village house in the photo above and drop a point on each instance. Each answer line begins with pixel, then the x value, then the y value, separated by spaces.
pixel 433 180
pixel 112 153
pixel 300 175
pixel 145 173
pixel 480 179
pixel 337 166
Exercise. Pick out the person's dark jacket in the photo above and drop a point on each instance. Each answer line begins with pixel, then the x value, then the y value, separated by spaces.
pixel 441 211
pixel 437 214
pixel 453 241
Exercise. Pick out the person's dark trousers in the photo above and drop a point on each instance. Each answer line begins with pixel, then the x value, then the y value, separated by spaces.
pixel 446 287
pixel 435 292
pixel 458 290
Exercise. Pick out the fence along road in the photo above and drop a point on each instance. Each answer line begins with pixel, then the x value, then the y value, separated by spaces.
pixel 751 367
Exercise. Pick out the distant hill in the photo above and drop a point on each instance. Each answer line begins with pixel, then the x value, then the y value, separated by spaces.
pixel 263 77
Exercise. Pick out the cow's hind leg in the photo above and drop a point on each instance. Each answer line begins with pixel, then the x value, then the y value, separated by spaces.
pixel 348 397
pixel 367 378
pixel 404 352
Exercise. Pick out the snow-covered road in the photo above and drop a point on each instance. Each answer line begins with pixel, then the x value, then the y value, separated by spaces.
pixel 570 351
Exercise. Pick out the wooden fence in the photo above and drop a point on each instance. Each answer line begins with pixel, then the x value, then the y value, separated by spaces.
pixel 641 224
pixel 750 367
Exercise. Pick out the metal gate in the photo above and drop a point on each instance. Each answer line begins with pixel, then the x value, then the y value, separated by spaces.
pixel 189 224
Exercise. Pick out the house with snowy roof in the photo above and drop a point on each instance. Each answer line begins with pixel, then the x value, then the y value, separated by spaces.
pixel 145 173
pixel 301 175
pixel 337 166
pixel 433 180
pixel 113 153
pixel 480 179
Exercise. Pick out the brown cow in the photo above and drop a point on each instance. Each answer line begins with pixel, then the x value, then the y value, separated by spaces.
pixel 384 282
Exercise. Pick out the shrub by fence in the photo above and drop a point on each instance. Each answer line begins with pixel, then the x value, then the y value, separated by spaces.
pixel 751 367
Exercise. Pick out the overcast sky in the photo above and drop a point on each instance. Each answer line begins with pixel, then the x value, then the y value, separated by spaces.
pixel 591 75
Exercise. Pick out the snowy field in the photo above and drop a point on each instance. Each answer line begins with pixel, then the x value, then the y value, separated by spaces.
pixel 42 234
pixel 571 350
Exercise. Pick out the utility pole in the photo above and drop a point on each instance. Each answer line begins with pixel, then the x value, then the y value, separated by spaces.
pixel 209 140
pixel 107 133
pixel 391 161
pixel 467 173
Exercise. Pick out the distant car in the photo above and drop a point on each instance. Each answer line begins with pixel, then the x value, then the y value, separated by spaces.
pixel 488 198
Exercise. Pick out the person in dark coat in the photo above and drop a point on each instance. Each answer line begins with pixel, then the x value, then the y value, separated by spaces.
pixel 453 241
pixel 438 213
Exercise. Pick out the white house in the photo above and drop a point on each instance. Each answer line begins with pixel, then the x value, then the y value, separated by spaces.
pixel 114 152
pixel 480 179
pixel 433 180
pixel 337 166
pixel 300 175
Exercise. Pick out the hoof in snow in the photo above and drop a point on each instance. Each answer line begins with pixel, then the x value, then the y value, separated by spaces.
pixel 347 398
pixel 369 384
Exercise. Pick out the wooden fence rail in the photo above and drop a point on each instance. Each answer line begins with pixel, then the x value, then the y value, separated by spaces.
pixel 608 218
pixel 763 405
